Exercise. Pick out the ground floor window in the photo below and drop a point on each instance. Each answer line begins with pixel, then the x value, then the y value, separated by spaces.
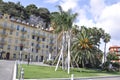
pixel 14 56
pixel 25 56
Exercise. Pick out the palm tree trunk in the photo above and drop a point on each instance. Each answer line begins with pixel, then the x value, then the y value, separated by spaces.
pixel 105 53
pixel 63 40
pixel 61 54
pixel 69 51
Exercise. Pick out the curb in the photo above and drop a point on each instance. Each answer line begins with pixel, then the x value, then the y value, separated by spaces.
pixel 14 72
pixel 82 78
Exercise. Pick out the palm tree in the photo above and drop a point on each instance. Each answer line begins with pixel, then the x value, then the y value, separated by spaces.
pixel 62 22
pixel 82 47
pixel 106 39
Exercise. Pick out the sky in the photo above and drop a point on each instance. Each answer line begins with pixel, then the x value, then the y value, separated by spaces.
pixel 91 13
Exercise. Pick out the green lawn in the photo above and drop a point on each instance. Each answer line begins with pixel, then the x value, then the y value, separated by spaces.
pixel 36 72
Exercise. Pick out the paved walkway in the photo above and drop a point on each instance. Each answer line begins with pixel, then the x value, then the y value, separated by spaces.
pixel 6 70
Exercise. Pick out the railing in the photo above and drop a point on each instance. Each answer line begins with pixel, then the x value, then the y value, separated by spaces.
pixel 3 42
pixel 23 37
pixel 4 34
pixel 38 47
pixel 34 33
pixel 38 41
pixel 5 26
pixel 24 31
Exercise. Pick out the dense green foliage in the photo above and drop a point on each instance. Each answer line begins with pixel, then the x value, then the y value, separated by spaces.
pixel 19 11
pixel 84 47
pixel 112 56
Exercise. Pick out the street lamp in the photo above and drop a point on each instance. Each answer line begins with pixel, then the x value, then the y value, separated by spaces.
pixel 28 50
pixel 20 55
pixel 1 53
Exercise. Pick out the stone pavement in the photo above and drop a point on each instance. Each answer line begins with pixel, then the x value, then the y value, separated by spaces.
pixel 6 69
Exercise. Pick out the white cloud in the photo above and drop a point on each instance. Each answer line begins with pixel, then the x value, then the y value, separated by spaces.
pixel 51 1
pixel 83 20
pixel 96 7
pixel 109 20
pixel 69 4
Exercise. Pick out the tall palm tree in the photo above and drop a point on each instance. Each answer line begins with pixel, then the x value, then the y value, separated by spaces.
pixel 106 39
pixel 62 22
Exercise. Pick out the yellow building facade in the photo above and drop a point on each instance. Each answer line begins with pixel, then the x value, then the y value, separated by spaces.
pixel 20 40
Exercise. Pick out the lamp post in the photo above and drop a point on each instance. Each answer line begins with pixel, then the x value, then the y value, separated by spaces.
pixel 20 55
pixel 29 55
pixel 0 53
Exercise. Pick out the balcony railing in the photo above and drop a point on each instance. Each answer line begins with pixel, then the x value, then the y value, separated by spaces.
pixel 38 41
pixel 24 31
pixel 3 42
pixel 51 43
pixel 23 37
pixel 12 28
pixel 3 34
pixel 37 46
pixel 8 27
pixel 34 33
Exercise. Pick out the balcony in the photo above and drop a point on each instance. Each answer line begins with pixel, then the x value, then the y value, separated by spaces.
pixel 12 28
pixel 38 41
pixel 42 35
pixel 34 33
pixel 23 38
pixel 3 34
pixel 8 27
pixel 51 43
pixel 24 31
pixel 3 42
pixel 37 46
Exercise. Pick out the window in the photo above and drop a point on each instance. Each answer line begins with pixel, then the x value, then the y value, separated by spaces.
pixel 15 47
pixel 32 44
pixel 28 43
pixel 119 49
pixel 16 41
pixel 5 24
pixel 14 56
pixel 43 46
pixel 1 46
pixel 47 52
pixel 32 49
pixel 17 34
pixel 9 40
pixel 18 27
pixel 43 39
pixel 38 38
pixel 46 46
pixel 21 47
pixel 11 32
pixel 8 47
pixel 28 36
pixel 33 37
pixel 36 50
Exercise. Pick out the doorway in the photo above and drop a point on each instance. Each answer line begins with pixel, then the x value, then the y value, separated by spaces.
pixel 8 56
pixel 41 59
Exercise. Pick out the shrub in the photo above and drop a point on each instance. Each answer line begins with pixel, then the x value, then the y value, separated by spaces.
pixel 115 66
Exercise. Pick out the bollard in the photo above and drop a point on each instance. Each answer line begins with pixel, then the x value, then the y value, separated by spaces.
pixel 22 74
pixel 72 77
